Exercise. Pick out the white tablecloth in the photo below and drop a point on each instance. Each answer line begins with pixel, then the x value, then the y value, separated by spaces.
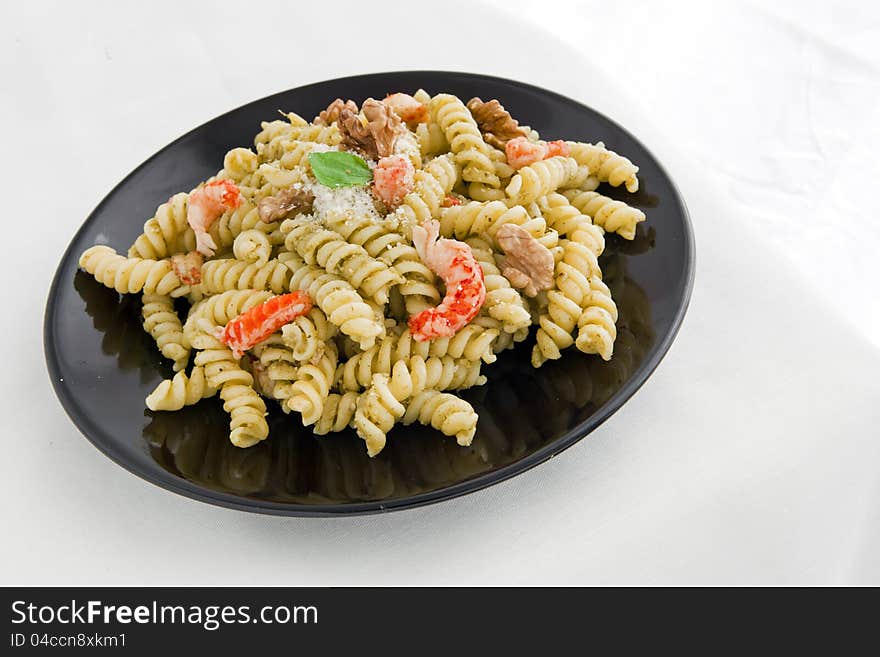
pixel 751 456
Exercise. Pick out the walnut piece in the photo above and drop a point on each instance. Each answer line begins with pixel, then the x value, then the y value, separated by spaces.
pixel 331 114
pixel 288 200
pixel 526 263
pixel 188 267
pixel 376 138
pixel 495 122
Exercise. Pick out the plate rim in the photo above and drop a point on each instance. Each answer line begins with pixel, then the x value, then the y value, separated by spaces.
pixel 243 503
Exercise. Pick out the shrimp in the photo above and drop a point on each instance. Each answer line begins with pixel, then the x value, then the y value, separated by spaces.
pixel 255 325
pixel 188 267
pixel 205 206
pixel 521 152
pixel 410 111
pixel 558 147
pixel 393 180
pixel 454 262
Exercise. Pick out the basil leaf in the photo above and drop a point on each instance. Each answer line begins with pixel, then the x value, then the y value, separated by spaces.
pixel 340 169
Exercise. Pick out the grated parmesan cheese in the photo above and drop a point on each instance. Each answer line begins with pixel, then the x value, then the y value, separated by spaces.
pixel 353 201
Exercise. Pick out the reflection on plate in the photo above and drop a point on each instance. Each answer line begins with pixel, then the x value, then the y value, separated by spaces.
pixel 294 465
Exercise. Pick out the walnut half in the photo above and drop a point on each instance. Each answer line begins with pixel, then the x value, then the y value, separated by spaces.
pixel 292 199
pixel 376 138
pixel 331 114
pixel 495 122
pixel 526 263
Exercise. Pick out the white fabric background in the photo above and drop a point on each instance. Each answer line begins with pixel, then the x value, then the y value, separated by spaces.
pixel 751 456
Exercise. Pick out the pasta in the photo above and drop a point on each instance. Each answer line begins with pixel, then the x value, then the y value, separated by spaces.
pixel 274 368
pixel 569 221
pixel 163 324
pixel 235 274
pixel 541 178
pixel 606 165
pixel 327 248
pixel 610 215
pixel 307 335
pixel 360 269
pixel 239 163
pixel 182 390
pixel 476 218
pixel 252 246
pixel 465 140
pixel 164 233
pixel 131 275
pixel 247 410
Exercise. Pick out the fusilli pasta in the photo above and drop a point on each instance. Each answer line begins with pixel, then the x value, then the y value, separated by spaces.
pixel 357 270
pixel 610 215
pixel 182 390
pixel 161 322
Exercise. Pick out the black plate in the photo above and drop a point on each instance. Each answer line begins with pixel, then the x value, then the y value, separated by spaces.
pixel 102 364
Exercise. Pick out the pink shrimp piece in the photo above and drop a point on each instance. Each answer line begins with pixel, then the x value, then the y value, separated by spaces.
pixel 255 325
pixel 454 262
pixel 188 267
pixel 393 178
pixel 557 147
pixel 521 152
pixel 410 111
pixel 205 206
pixel 449 201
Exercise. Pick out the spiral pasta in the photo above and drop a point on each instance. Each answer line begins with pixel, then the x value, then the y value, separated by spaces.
pixel 606 165
pixel 328 249
pixel 274 368
pixel 465 140
pixel 247 410
pixel 432 185
pixel 338 412
pixel 610 215
pixel 312 385
pixel 338 300
pixel 443 373
pixel 541 178
pixel 131 275
pixel 596 324
pixel 163 324
pixel 234 222
pixel 182 390
pixel 307 335
pixel 333 269
pixel 239 163
pixel 502 302
pixel 217 311
pixel 166 232
pixel 473 342
pixel 377 410
pixel 231 274
pixel 570 222
pixel 564 307
pixel 252 246
pixel 445 412
pixel 484 219
pixel 272 141
pixel 418 290
pixel 432 139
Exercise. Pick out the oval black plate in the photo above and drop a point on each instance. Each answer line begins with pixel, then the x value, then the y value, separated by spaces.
pixel 102 364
